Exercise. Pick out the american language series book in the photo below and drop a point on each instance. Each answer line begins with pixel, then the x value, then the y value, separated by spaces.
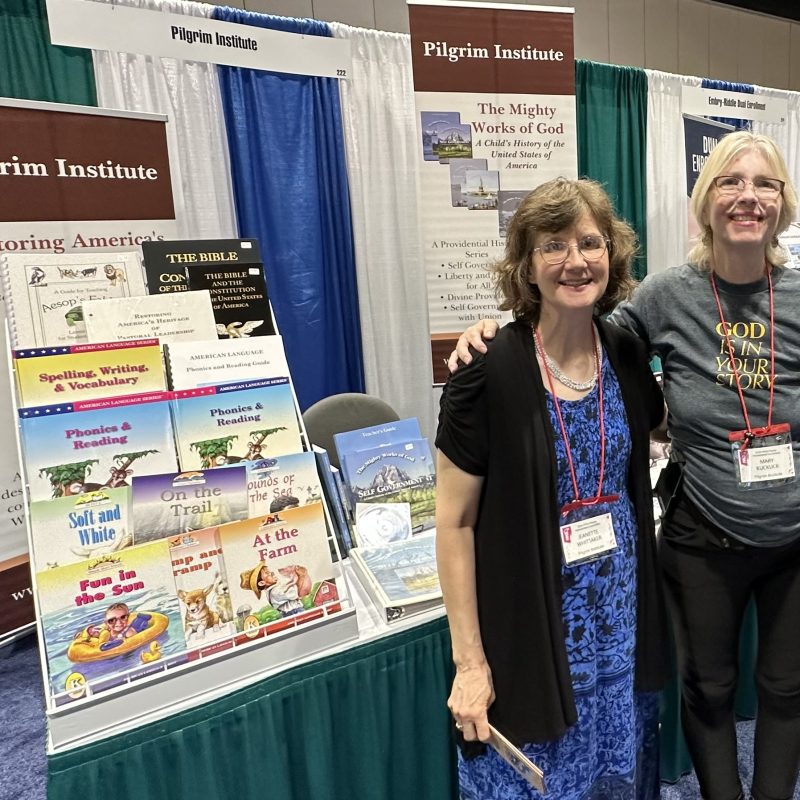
pixel 109 620
pixel 171 504
pixel 190 365
pixel 75 448
pixel 87 371
pixel 220 425
pixel 280 569
pixel 282 482
pixel 75 527
pixel 202 587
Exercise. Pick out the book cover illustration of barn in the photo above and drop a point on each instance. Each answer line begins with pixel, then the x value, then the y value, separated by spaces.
pixel 109 621
pixel 73 528
pixel 202 586
pixel 402 472
pixel 280 569
pixel 170 504
pixel 220 425
pixel 75 448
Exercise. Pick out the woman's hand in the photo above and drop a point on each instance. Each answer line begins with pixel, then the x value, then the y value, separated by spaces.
pixel 474 336
pixel 470 698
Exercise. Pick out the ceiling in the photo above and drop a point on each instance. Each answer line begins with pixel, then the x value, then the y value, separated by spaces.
pixel 788 9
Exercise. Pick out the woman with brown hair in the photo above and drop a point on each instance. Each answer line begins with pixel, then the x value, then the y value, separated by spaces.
pixel 544 518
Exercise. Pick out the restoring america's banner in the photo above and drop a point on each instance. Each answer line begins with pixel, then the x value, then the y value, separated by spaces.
pixel 73 179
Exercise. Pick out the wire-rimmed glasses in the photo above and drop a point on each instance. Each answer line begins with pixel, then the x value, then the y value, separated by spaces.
pixel 764 188
pixel 591 247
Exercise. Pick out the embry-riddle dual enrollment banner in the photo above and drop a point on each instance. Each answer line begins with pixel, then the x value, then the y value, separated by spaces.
pixel 495 95
pixel 72 179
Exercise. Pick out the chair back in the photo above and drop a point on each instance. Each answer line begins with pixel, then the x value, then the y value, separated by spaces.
pixel 344 412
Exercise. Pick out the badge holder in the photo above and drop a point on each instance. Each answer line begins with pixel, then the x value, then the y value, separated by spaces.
pixel 763 457
pixel 586 530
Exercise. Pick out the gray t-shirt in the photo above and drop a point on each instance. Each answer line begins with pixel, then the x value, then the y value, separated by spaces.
pixel 676 314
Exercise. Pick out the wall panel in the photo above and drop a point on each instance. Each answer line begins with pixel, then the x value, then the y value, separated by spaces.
pixel 360 13
pixel 723 43
pixel 661 35
pixel 391 15
pixel 776 53
pixel 692 38
pixel 626 32
pixel 591 29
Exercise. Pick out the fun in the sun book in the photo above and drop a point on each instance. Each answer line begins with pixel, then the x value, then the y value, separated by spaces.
pixel 109 620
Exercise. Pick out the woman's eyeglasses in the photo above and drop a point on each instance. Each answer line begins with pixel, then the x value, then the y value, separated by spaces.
pixel 765 188
pixel 591 247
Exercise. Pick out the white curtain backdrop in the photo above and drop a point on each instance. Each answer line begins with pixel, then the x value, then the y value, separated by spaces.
pixel 383 151
pixel 667 203
pixel 786 134
pixel 188 93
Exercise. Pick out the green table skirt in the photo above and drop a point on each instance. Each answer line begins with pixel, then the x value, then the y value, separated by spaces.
pixel 370 722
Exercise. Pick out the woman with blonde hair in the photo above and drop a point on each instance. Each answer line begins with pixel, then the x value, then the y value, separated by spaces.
pixel 545 540
pixel 728 333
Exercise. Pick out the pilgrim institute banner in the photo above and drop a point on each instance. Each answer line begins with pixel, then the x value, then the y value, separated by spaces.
pixel 494 88
pixel 72 179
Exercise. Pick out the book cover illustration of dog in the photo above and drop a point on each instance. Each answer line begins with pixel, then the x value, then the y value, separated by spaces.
pixel 198 566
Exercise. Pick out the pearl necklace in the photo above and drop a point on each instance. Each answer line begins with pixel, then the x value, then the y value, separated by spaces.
pixel 555 370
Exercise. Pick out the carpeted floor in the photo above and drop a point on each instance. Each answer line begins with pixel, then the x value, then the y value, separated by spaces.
pixel 23 768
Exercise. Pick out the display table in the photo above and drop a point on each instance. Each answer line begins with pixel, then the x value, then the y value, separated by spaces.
pixel 370 721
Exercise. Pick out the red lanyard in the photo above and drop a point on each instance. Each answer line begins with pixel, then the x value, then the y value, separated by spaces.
pixel 750 432
pixel 599 497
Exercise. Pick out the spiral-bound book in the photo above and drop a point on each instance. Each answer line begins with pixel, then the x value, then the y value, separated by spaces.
pixel 44 292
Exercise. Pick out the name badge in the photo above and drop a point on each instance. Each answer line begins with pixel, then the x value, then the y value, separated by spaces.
pixel 763 458
pixel 588 539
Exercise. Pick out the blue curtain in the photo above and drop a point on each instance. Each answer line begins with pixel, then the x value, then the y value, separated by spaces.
pixel 727 86
pixel 290 183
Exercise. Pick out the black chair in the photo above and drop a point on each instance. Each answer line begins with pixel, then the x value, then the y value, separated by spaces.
pixel 344 412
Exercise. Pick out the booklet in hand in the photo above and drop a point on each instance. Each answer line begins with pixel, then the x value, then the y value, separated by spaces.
pixel 521 764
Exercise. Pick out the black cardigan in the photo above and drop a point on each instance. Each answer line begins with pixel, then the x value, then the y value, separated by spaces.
pixel 517 550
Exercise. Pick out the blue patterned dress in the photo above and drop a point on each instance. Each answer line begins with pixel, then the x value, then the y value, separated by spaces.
pixel 611 751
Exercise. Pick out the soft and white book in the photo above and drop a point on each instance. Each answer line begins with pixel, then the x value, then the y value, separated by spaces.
pixel 175 317
pixel 44 292
pixel 191 365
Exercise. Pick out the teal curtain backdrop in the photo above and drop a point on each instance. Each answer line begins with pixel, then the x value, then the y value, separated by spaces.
pixel 33 69
pixel 611 105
